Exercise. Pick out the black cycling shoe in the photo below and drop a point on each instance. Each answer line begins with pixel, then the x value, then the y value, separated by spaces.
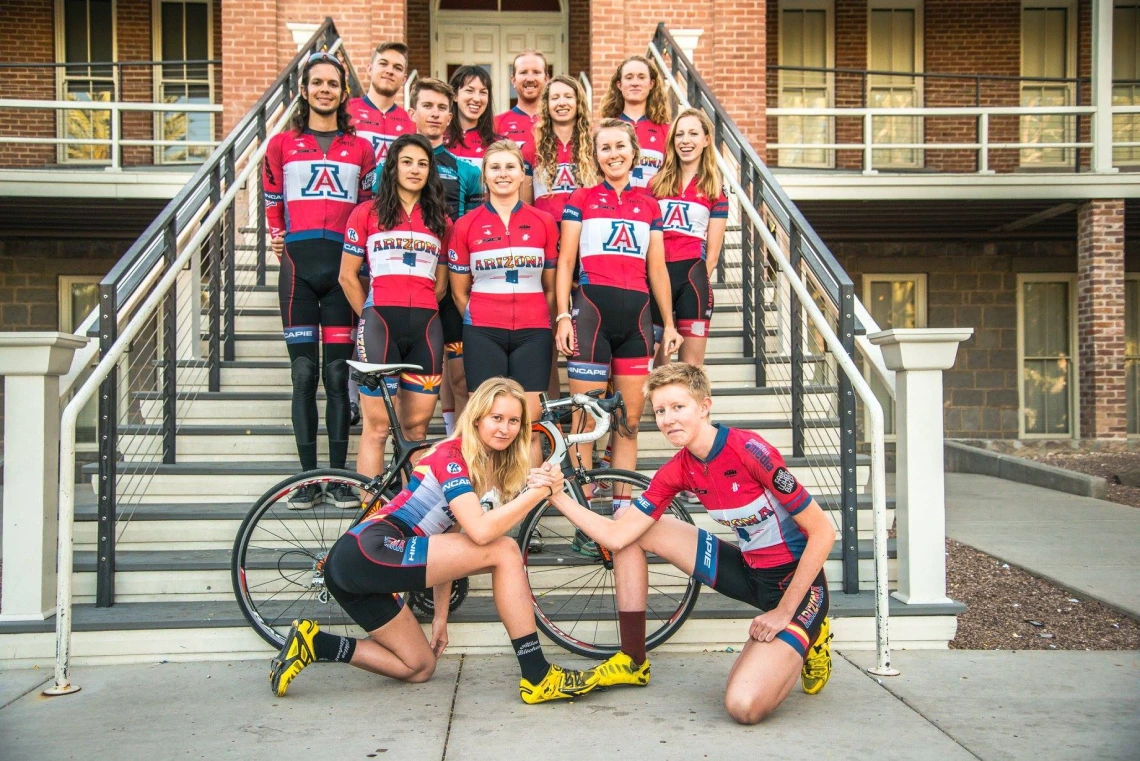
pixel 342 496
pixel 305 497
pixel 353 413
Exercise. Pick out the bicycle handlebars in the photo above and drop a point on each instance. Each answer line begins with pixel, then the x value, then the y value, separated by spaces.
pixel 599 409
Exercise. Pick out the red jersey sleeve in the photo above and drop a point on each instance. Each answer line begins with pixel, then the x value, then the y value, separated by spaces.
pixel 450 470
pixel 668 481
pixel 356 232
pixel 573 210
pixel 458 255
pixel 273 185
pixel 765 463
pixel 720 208
pixel 551 240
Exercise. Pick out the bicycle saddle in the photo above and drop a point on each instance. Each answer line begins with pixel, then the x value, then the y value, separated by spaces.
pixel 370 369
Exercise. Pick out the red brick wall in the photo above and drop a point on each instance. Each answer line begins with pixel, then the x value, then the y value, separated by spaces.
pixel 579 39
pixel 1100 318
pixel 418 38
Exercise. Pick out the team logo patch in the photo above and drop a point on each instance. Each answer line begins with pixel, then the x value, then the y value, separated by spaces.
pixel 783 481
pixel 453 468
pixel 352 236
pixel 394 544
pixel 676 216
pixel 622 239
pixel 325 182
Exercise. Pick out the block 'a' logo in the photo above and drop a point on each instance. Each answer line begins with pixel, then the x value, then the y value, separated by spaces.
pixel 676 216
pixel 380 145
pixel 622 239
pixel 324 182
pixel 564 179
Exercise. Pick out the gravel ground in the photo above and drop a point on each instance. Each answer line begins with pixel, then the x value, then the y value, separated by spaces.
pixel 1118 468
pixel 1009 609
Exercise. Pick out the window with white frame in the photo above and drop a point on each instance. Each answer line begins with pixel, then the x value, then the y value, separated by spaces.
pixel 1126 80
pixel 1132 351
pixel 806 35
pixel 85 41
pixel 78 297
pixel 1048 50
pixel 894 44
pixel 1046 339
pixel 893 301
pixel 183 33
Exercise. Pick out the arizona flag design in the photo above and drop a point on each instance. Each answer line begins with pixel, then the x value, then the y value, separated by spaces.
pixel 402 262
pixel 379 128
pixel 439 477
pixel 615 235
pixel 685 222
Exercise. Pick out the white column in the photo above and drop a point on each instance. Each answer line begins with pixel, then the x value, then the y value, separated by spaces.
pixel 687 40
pixel 31 364
pixel 918 357
pixel 1102 85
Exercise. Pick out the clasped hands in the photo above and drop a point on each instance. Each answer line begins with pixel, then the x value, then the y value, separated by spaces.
pixel 547 476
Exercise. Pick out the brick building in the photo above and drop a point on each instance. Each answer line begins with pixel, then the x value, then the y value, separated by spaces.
pixel 1029 245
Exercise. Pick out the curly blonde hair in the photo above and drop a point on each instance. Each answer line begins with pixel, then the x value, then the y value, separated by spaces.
pixel 505 471
pixel 667 182
pixel 581 141
pixel 656 106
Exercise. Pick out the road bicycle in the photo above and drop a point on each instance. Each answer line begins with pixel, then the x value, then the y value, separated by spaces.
pixel 279 552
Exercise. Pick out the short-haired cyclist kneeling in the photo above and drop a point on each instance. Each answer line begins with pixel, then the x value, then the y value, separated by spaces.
pixel 783 535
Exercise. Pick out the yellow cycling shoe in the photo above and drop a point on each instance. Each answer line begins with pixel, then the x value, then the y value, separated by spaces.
pixel 558 683
pixel 296 654
pixel 817 665
pixel 619 669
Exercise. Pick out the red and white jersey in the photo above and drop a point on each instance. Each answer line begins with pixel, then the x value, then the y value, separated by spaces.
pixel 651 138
pixel 308 193
pixel 744 484
pixel 469 148
pixel 505 263
pixel 438 478
pixel 552 197
pixel 379 128
pixel 402 261
pixel 685 222
pixel 615 234
pixel 518 125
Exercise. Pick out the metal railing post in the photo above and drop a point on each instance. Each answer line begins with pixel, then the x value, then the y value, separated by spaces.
pixel 229 265
pixel 868 136
pixel 260 204
pixel 983 162
pixel 215 260
pixel 750 329
pixel 170 350
pixel 116 136
pixel 759 325
pixel 848 458
pixel 796 329
pixel 108 428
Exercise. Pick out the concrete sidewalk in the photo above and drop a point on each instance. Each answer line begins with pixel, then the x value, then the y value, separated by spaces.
pixel 1086 545
pixel 946 706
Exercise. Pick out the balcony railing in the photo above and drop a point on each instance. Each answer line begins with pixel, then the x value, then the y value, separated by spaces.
pixel 857 119
pixel 118 114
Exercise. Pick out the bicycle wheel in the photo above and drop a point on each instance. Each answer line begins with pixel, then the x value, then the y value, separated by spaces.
pixel 279 553
pixel 572 582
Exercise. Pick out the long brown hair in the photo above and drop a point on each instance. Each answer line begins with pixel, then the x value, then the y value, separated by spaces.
pixel 507 470
pixel 485 125
pixel 433 198
pixel 667 182
pixel 581 142
pixel 657 104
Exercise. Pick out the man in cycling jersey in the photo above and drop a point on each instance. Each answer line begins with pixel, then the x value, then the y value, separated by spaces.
pixel 376 115
pixel 528 78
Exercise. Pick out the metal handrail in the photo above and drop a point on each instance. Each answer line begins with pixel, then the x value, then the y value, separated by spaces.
pixel 584 80
pixel 663 41
pixel 409 83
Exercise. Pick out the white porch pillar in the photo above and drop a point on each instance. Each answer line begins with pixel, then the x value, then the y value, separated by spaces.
pixel 1102 85
pixel 918 357
pixel 31 364
pixel 687 40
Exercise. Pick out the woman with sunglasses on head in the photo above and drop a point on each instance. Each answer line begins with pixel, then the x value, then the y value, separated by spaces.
pixel 472 127
pixel 636 94
pixel 314 175
pixel 694 215
pixel 402 234
pixel 502 258
pixel 413 542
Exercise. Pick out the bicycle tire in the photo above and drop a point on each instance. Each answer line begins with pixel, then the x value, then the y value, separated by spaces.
pixel 278 554
pixel 560 576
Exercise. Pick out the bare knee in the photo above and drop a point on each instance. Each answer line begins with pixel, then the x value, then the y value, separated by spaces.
pixel 629 430
pixel 422 671
pixel 505 552
pixel 745 708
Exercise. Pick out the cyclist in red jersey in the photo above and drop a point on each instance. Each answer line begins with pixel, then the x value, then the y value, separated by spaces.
pixel 502 258
pixel 637 95
pixel 414 542
pixel 528 78
pixel 614 230
pixel 314 174
pixel 784 538
pixel 402 235
pixel 376 115
pixel 472 129
pixel 694 215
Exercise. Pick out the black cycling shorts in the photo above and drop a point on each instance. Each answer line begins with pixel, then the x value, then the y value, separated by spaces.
pixel 451 320
pixel 692 299
pixel 369 565
pixel 313 305
pixel 390 335
pixel 613 332
pixel 720 565
pixel 524 355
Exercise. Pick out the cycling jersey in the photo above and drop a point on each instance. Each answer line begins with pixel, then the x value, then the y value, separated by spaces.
pixel 440 477
pixel 470 149
pixel 517 125
pixel 744 484
pixel 462 182
pixel 310 193
pixel 551 195
pixel 379 128
pixel 615 234
pixel 651 138
pixel 506 265
pixel 685 222
pixel 401 262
